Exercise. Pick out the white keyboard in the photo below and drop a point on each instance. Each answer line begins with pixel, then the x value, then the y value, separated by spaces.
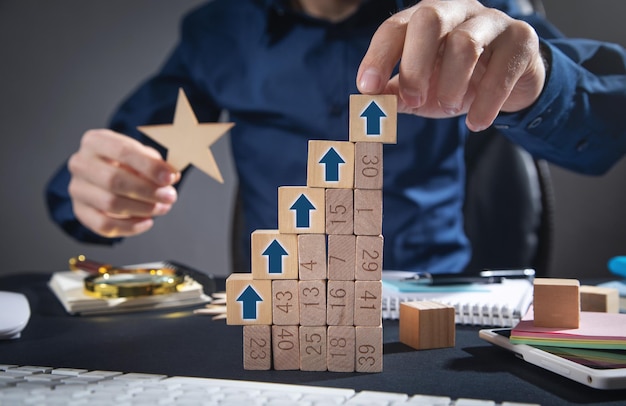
pixel 32 385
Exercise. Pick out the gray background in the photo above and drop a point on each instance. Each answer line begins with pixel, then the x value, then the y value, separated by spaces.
pixel 64 66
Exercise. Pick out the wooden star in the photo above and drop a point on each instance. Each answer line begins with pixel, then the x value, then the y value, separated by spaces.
pixel 188 142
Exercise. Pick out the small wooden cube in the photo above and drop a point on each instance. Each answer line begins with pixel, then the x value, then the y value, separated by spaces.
pixel 285 303
pixel 313 348
pixel 312 302
pixel 426 325
pixel 341 257
pixel 556 303
pixel 286 347
pixel 339 211
pixel 340 303
pixel 368 303
pixel 257 347
pixel 369 349
pixel 340 348
pixel 301 210
pixel 368 212
pixel 599 299
pixel 369 258
pixel 330 164
pixel 373 118
pixel 368 165
pixel 248 301
pixel 312 256
pixel 274 255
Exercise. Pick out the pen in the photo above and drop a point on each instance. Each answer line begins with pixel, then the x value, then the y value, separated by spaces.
pixel 484 276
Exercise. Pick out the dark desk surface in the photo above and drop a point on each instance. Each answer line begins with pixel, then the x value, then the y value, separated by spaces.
pixel 179 343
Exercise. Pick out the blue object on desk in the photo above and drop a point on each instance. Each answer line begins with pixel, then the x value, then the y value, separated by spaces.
pixel 617 266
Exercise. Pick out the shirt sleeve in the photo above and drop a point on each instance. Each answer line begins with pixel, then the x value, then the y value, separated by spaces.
pixel 153 102
pixel 577 122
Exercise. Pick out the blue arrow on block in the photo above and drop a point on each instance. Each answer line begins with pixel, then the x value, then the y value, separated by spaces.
pixel 373 115
pixel 331 161
pixel 248 298
pixel 302 206
pixel 274 253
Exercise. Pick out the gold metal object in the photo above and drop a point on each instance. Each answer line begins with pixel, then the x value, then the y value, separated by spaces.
pixel 107 281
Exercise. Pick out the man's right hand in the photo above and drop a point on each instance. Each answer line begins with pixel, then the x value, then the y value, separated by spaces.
pixel 118 184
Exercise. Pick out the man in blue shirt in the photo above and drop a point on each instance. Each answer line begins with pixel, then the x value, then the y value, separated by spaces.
pixel 284 70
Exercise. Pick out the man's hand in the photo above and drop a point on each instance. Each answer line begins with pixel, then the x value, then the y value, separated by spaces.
pixel 456 57
pixel 118 184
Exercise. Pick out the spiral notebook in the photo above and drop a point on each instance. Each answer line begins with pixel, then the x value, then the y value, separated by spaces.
pixel 500 304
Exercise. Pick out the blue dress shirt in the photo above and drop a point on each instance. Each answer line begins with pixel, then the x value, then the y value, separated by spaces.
pixel 285 78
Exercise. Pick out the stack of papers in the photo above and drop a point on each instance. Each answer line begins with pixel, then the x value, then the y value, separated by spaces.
pixel 68 288
pixel 597 330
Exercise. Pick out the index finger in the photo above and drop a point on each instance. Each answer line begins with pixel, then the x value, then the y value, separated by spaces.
pixel 383 54
pixel 130 153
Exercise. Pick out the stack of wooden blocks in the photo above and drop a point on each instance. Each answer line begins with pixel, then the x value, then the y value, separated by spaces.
pixel 313 299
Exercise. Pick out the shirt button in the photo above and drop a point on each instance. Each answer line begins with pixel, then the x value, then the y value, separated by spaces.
pixel 535 123
pixel 335 109
pixel 582 145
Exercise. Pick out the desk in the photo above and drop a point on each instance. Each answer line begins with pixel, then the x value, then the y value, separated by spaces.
pixel 177 342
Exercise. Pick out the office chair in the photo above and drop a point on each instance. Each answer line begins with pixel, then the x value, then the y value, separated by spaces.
pixel 509 205
pixel 508 208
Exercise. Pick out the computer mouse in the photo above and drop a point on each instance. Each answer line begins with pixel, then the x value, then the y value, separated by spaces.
pixel 14 314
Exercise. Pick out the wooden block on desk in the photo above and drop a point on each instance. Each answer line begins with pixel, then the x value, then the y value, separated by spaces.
pixel 312 256
pixel 330 164
pixel 274 255
pixel 248 301
pixel 339 211
pixel 599 299
pixel 341 257
pixel 368 303
pixel 425 325
pixel 340 303
pixel 369 349
pixel 312 302
pixel 368 165
pixel 340 349
pixel 313 348
pixel 368 212
pixel 373 118
pixel 257 347
pixel 301 210
pixel 285 303
pixel 556 302
pixel 369 258
pixel 286 347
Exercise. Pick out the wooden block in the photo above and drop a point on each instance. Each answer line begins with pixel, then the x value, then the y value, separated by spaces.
pixel 285 303
pixel 368 303
pixel 599 299
pixel 425 325
pixel 301 210
pixel 339 211
pixel 330 164
pixel 340 349
pixel 556 303
pixel 313 348
pixel 341 257
pixel 248 301
pixel 368 212
pixel 274 255
pixel 312 256
pixel 373 118
pixel 285 347
pixel 312 303
pixel 340 303
pixel 368 165
pixel 369 258
pixel 257 347
pixel 369 349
